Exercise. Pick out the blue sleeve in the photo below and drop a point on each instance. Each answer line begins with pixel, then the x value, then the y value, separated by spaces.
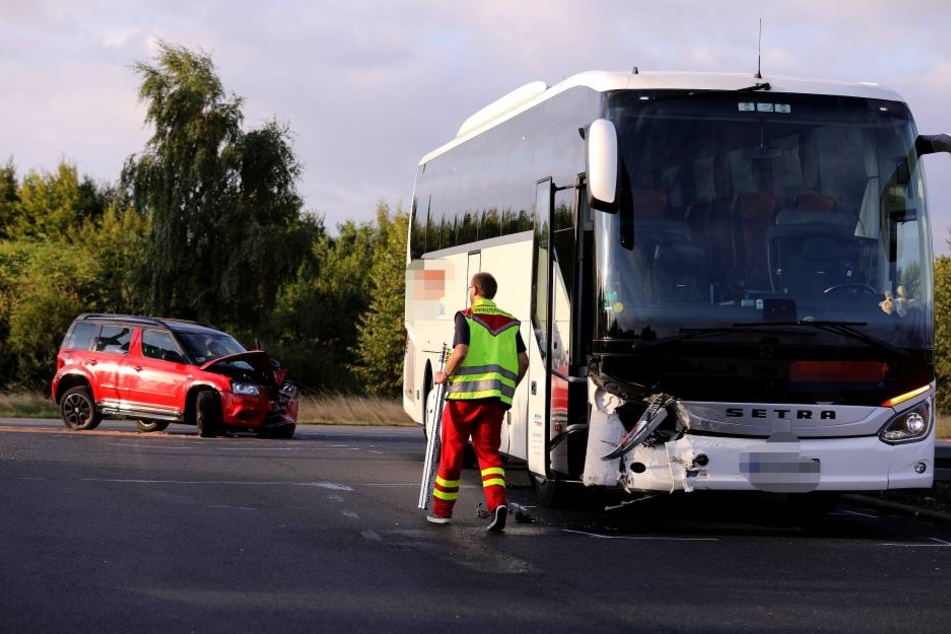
pixel 462 331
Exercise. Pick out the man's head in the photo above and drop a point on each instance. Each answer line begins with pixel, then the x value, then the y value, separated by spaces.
pixel 483 285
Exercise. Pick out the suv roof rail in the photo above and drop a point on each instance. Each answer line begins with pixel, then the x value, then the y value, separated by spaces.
pixel 138 319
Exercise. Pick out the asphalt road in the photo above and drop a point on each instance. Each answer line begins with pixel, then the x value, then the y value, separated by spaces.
pixel 120 531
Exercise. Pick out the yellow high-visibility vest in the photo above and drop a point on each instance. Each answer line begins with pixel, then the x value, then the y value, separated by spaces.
pixel 490 369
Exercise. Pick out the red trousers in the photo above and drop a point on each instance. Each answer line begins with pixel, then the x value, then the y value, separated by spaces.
pixel 482 420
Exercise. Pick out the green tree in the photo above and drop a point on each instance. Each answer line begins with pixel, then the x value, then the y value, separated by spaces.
pixel 46 286
pixel 118 242
pixel 380 332
pixel 52 206
pixel 9 199
pixel 942 299
pixel 317 313
pixel 227 231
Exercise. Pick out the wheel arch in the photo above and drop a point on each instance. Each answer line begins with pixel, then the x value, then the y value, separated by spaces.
pixel 69 381
pixel 191 397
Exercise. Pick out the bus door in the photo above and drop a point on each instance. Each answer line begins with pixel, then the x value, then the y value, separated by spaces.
pixel 474 266
pixel 549 375
pixel 539 370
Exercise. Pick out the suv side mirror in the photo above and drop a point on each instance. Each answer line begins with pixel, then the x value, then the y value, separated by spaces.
pixel 601 165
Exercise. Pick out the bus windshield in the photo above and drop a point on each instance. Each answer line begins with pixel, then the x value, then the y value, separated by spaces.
pixel 746 207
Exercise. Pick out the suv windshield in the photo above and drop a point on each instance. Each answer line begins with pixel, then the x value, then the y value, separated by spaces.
pixel 207 346
pixel 756 206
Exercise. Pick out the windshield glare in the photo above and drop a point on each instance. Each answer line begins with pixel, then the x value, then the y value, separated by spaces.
pixel 749 207
pixel 207 346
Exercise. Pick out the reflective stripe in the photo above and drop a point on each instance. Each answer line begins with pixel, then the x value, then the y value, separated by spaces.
pixel 482 389
pixel 484 324
pixel 442 495
pixel 493 471
pixel 486 369
pixel 447 484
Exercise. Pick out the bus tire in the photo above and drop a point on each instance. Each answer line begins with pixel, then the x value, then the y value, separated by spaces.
pixel 553 492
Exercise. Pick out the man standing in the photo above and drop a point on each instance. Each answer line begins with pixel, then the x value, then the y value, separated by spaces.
pixel 488 361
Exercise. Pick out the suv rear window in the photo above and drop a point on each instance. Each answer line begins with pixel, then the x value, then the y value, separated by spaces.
pixel 80 336
pixel 115 339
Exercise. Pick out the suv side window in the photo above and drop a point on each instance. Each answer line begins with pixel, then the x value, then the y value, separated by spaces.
pixel 80 336
pixel 158 343
pixel 114 339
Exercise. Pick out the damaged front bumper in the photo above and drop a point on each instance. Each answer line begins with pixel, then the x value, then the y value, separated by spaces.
pixel 684 460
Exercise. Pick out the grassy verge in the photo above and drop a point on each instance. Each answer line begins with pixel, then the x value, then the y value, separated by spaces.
pixel 352 410
pixel 27 405
pixel 326 409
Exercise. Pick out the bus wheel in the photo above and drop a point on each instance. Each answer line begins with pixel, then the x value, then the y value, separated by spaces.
pixel 552 492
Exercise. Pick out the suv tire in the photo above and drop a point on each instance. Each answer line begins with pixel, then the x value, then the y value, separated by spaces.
pixel 78 409
pixel 208 414
pixel 147 425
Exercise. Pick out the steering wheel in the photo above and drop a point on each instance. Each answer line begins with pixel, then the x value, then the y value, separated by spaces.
pixel 852 288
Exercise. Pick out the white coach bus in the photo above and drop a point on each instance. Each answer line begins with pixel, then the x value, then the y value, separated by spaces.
pixel 724 281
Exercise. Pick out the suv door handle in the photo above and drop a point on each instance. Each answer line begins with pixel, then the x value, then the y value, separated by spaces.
pixel 138 368
pixel 92 362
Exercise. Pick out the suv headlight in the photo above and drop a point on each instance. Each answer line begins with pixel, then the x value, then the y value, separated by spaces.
pixel 245 389
pixel 289 390
pixel 910 425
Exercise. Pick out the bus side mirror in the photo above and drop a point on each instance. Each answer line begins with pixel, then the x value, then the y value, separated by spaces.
pixel 931 143
pixel 601 165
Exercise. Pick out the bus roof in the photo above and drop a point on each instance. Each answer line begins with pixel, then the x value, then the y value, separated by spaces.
pixel 529 95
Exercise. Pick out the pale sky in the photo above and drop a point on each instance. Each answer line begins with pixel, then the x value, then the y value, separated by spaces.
pixel 369 86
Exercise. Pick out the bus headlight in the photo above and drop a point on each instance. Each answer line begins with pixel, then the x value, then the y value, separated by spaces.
pixel 908 426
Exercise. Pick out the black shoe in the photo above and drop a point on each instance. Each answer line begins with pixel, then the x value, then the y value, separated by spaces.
pixel 497 525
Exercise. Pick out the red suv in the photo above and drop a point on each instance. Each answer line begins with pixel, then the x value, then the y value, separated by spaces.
pixel 162 371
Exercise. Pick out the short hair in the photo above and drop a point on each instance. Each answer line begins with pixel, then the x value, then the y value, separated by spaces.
pixel 485 284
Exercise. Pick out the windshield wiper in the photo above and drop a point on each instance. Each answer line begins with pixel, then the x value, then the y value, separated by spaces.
pixel 685 334
pixel 848 329
pixel 844 328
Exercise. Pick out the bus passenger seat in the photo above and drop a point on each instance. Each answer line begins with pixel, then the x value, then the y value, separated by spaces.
pixel 679 275
pixel 753 215
pixel 649 203
pixel 815 202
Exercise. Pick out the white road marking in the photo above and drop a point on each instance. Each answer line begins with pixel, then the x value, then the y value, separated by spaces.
pixel 263 448
pixel 351 514
pixel 148 446
pixel 868 515
pixel 940 544
pixel 323 485
pixel 643 537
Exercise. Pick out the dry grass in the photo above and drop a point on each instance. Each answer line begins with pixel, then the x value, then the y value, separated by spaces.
pixel 27 405
pixel 352 410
